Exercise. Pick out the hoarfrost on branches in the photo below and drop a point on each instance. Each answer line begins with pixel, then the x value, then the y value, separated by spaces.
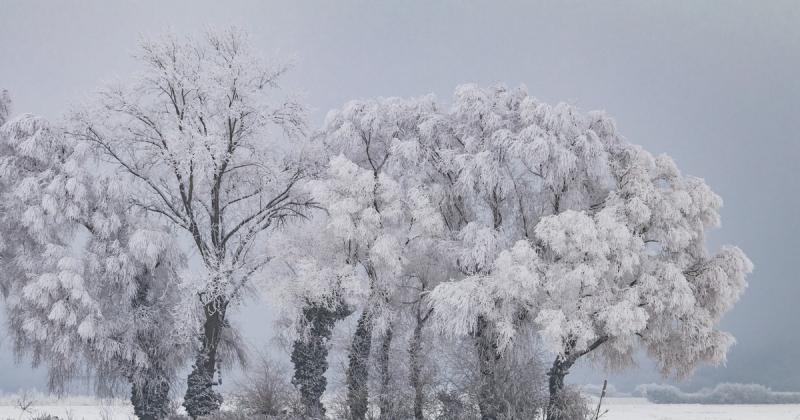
pixel 523 218
pixel 569 229
pixel 89 283
pixel 495 219
pixel 213 148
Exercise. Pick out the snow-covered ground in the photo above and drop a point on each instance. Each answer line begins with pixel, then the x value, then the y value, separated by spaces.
pixel 641 409
pixel 69 408
pixel 69 412
pixel 618 409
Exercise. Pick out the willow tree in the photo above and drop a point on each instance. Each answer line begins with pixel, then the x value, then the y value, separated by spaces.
pixel 208 144
pixel 568 231
pixel 315 288
pixel 383 218
pixel 90 285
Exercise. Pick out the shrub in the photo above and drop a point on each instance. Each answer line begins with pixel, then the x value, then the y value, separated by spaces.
pixel 571 404
pixel 521 380
pixel 266 390
pixel 611 391
pixel 725 393
pixel 453 406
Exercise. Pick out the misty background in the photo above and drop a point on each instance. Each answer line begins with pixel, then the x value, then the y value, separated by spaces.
pixel 716 85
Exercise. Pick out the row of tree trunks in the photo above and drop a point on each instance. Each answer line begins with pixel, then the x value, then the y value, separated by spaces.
pixel 491 403
pixel 358 369
pixel 309 357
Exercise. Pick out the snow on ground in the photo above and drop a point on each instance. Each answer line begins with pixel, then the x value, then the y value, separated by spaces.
pixel 641 409
pixel 69 412
pixel 69 408
pixel 618 409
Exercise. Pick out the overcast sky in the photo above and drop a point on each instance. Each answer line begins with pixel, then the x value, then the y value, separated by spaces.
pixel 715 85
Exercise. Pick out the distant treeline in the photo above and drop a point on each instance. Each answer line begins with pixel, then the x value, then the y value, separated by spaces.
pixel 726 393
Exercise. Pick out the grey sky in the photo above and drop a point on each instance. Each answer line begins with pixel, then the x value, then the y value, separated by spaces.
pixel 716 85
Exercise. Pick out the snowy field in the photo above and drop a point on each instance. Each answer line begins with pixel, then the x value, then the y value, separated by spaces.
pixel 618 409
pixel 69 408
pixel 641 409
pixel 69 412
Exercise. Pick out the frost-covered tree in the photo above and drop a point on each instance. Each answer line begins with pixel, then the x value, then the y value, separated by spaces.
pixel 5 106
pixel 90 284
pixel 566 229
pixel 211 147
pixel 381 215
pixel 9 228
pixel 316 288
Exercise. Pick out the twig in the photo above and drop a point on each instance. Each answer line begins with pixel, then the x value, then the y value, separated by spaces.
pixel 600 402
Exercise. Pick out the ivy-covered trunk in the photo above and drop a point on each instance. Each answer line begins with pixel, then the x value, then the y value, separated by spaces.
pixel 491 405
pixel 358 367
pixel 201 399
pixel 310 355
pixel 150 398
pixel 385 397
pixel 149 387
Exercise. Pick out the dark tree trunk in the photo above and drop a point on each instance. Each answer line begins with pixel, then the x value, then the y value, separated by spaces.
pixel 491 404
pixel 150 387
pixel 556 375
pixel 415 368
pixel 310 356
pixel 150 399
pixel 201 399
pixel 385 398
pixel 358 367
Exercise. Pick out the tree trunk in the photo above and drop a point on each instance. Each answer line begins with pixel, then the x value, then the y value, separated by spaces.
pixel 150 387
pixel 491 404
pixel 385 397
pixel 310 356
pixel 415 368
pixel 201 399
pixel 556 375
pixel 561 366
pixel 150 399
pixel 358 367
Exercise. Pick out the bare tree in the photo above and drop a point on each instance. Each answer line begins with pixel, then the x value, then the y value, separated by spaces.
pixel 265 390
pixel 207 147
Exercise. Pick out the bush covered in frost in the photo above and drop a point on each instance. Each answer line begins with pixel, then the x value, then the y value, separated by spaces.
pixel 726 393
pixel 596 389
